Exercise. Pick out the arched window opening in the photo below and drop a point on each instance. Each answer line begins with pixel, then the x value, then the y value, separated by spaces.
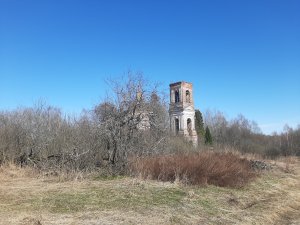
pixel 176 96
pixel 189 126
pixel 176 125
pixel 188 96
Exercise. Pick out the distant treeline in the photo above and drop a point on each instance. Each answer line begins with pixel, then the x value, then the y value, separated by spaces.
pixel 245 136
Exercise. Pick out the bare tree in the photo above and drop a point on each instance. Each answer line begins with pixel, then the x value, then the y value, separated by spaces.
pixel 132 120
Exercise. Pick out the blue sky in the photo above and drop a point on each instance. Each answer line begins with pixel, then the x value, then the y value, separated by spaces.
pixel 241 56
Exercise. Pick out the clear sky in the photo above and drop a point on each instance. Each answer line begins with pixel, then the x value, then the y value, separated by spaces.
pixel 241 56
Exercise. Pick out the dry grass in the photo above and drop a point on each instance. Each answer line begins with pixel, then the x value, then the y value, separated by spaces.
pixel 30 198
pixel 11 170
pixel 224 169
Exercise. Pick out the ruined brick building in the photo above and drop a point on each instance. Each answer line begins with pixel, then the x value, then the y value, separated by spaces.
pixel 182 111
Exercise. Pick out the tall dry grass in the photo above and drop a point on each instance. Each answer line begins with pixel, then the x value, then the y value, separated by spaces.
pixel 223 169
pixel 11 170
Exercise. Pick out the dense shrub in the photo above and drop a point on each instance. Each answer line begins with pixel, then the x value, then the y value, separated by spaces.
pixel 223 169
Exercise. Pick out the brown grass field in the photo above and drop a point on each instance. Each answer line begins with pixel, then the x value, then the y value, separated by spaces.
pixel 31 198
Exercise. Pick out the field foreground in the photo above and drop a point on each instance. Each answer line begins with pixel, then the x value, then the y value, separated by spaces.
pixel 28 198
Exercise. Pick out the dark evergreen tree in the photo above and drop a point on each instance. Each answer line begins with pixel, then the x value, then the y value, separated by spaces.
pixel 199 125
pixel 208 137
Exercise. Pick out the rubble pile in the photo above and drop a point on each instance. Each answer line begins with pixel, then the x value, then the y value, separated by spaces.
pixel 259 165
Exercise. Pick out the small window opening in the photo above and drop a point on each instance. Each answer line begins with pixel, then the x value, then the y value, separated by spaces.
pixel 188 96
pixel 176 96
pixel 176 125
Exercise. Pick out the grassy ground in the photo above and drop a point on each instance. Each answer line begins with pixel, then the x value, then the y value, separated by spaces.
pixel 28 198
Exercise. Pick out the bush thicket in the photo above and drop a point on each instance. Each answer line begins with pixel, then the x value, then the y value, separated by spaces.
pixel 223 169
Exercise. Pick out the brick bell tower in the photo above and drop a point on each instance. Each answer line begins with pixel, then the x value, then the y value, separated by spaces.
pixel 182 111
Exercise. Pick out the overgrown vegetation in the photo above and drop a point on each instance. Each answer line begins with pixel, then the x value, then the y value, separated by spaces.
pixel 131 122
pixel 128 134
